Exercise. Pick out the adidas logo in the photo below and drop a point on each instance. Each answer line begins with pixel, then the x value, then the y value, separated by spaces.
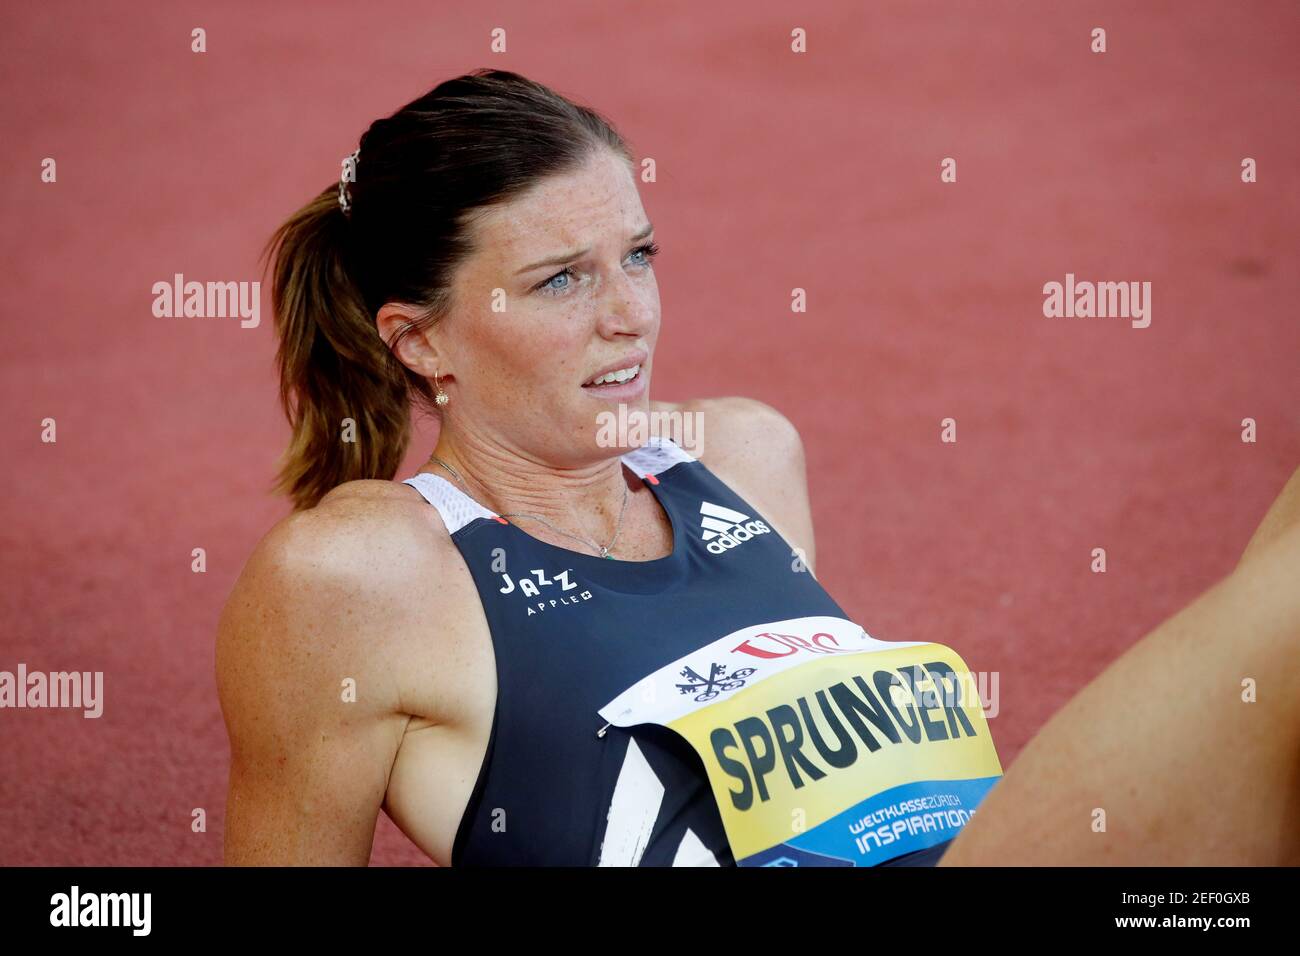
pixel 724 529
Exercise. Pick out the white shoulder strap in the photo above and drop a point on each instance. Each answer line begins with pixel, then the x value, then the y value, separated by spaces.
pixel 456 508
pixel 655 456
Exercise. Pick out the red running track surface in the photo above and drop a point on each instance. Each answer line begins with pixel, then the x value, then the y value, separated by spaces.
pixel 775 171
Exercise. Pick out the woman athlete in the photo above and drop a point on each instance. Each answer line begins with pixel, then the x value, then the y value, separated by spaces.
pixel 447 647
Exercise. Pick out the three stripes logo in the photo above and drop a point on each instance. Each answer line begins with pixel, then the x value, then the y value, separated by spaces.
pixel 725 529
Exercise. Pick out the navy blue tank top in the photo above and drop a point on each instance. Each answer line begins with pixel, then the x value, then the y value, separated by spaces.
pixel 571 631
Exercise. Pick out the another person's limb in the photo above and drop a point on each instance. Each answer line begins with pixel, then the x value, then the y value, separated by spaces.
pixel 1284 513
pixel 1167 742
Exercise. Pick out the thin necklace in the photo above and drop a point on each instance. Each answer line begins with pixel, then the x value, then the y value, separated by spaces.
pixel 604 550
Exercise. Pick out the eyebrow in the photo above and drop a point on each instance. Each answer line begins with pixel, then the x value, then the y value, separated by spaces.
pixel 579 253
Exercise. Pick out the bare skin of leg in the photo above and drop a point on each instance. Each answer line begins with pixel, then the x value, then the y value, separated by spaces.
pixel 1187 772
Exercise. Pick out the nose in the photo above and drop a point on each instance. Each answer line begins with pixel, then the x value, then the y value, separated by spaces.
pixel 630 306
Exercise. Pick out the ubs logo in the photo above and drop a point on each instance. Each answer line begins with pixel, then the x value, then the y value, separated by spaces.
pixel 557 593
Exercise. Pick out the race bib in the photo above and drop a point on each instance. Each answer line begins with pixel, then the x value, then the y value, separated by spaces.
pixel 823 745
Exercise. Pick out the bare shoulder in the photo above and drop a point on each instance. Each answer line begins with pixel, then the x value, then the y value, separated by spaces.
pixel 371 534
pixel 736 433
pixel 758 452
pixel 333 589
pixel 331 623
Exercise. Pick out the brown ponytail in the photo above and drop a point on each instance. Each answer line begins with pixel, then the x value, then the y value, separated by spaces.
pixel 333 365
pixel 471 142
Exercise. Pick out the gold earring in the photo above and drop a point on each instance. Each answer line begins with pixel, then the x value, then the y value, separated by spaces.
pixel 441 398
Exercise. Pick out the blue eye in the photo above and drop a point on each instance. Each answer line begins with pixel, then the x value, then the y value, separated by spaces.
pixel 565 273
pixel 647 251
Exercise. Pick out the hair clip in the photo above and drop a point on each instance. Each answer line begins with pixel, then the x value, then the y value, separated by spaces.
pixel 349 175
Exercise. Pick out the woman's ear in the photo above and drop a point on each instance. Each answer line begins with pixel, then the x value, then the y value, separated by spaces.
pixel 411 346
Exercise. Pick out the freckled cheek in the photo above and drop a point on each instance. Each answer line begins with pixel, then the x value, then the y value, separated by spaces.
pixel 533 355
pixel 503 340
pixel 651 300
pixel 568 363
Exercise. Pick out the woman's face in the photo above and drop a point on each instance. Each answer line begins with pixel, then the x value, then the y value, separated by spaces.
pixel 560 289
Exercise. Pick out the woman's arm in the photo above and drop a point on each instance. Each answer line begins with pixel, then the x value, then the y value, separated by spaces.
pixel 309 762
